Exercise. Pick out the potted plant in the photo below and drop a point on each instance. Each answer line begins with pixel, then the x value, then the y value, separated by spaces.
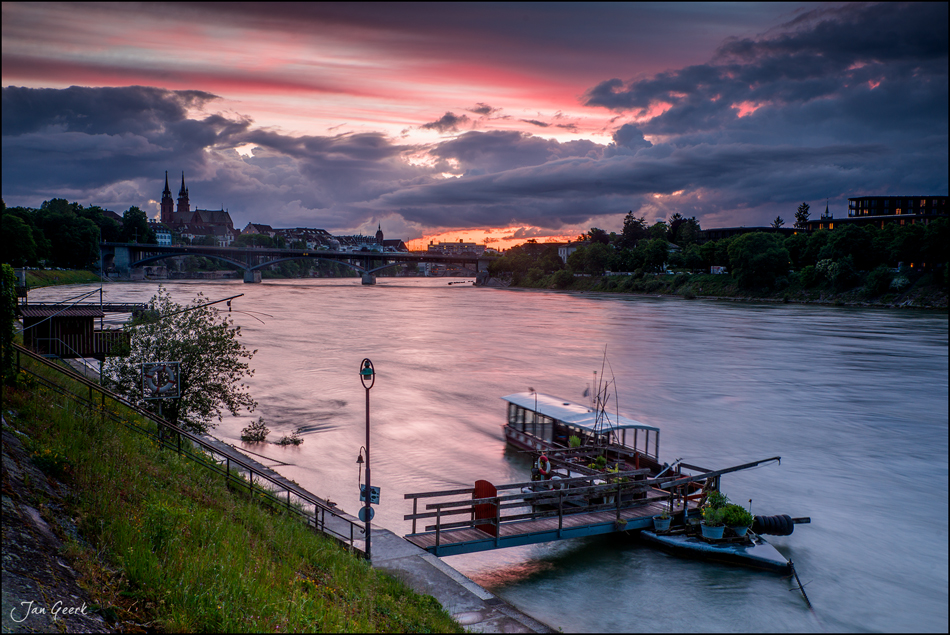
pixel 712 525
pixel 661 522
pixel 738 519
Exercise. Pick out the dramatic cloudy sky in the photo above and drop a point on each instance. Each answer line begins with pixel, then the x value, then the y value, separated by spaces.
pixel 522 119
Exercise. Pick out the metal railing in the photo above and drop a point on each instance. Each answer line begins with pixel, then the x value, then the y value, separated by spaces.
pixel 324 518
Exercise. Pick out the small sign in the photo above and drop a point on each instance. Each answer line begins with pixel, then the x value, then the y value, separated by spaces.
pixel 364 511
pixel 373 494
pixel 161 380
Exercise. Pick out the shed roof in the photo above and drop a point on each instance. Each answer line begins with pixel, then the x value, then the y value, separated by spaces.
pixel 64 311
pixel 572 413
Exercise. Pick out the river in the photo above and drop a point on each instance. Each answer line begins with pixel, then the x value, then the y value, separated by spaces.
pixel 853 400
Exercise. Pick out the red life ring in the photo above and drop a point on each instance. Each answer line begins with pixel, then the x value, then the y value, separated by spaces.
pixel 544 465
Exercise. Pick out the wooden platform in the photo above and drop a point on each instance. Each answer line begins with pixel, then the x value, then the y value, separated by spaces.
pixel 469 540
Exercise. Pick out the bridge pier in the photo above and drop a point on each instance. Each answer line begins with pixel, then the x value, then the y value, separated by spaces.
pixel 252 275
pixel 369 278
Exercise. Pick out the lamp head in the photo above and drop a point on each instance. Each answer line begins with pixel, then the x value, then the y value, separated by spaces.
pixel 367 374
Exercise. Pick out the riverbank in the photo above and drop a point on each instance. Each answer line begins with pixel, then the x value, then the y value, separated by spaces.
pixel 36 278
pixel 919 291
pixel 126 536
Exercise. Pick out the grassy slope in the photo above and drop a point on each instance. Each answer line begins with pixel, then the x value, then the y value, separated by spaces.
pixel 169 545
pixel 49 277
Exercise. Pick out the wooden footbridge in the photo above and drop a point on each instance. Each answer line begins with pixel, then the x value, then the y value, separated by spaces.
pixel 494 517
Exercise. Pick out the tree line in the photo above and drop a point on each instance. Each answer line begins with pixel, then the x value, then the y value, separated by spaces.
pixel 757 260
pixel 64 234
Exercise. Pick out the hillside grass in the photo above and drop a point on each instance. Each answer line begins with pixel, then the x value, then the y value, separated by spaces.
pixel 165 543
pixel 36 278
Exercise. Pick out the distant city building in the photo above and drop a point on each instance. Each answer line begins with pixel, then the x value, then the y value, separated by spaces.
pixel 163 235
pixel 198 223
pixel 370 243
pixel 451 249
pixel 312 238
pixel 256 228
pixel 564 250
pixel 879 210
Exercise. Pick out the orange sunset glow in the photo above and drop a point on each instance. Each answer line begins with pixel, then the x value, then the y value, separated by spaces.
pixel 486 122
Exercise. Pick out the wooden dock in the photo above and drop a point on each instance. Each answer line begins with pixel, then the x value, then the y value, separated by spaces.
pixel 557 509
pixel 583 506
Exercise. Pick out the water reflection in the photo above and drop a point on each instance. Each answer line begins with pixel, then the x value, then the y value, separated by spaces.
pixel 855 402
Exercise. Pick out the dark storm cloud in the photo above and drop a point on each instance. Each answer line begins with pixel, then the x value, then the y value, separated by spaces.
pixel 449 122
pixel 839 102
pixel 825 54
pixel 111 147
pixel 500 150
pixel 483 109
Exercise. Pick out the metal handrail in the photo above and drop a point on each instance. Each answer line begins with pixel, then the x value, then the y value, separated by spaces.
pixel 321 508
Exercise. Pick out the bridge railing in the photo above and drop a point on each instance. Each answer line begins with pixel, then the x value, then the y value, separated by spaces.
pixel 238 472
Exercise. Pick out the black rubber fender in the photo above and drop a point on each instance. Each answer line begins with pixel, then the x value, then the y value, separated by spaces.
pixel 781 525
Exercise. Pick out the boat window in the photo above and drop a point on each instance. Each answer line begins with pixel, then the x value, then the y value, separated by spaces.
pixel 512 414
pixel 546 429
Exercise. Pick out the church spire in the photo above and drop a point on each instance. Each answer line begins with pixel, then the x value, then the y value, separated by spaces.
pixel 183 196
pixel 167 204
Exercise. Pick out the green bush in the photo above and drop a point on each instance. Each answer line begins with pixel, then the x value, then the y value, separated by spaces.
pixel 736 516
pixel 563 279
pixel 878 281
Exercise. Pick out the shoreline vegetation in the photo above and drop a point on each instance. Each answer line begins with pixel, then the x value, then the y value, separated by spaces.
pixel 141 538
pixel 890 266
pixel 922 291
pixel 922 294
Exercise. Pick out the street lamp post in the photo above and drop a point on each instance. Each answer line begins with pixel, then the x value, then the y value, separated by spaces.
pixel 368 378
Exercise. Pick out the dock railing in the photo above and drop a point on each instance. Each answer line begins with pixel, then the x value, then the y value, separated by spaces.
pixel 324 518
pixel 604 492
pixel 613 491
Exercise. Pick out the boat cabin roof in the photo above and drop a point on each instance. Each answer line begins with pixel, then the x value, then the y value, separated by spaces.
pixel 571 413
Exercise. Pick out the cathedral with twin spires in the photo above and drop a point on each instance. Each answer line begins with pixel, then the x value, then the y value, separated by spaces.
pixel 197 223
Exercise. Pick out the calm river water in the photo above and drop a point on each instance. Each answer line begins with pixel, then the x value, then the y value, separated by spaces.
pixel 854 401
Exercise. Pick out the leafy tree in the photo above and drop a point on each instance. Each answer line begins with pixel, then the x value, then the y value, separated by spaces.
pixel 213 361
pixel 907 245
pixel 683 231
pixel 936 243
pixel 778 222
pixel 74 242
pixel 591 259
pixel 816 242
pixel 853 241
pixel 659 229
pixel 797 244
pixel 254 240
pixel 878 281
pixel 655 253
pixel 563 279
pixel 7 320
pixel 801 215
pixel 758 259
pixel 596 235
pixel 135 227
pixel 205 241
pixel 634 229
pixel 19 248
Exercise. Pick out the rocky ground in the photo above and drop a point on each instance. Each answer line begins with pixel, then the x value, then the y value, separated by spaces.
pixel 41 586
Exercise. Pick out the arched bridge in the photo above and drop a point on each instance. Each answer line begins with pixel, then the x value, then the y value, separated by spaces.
pixel 123 257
